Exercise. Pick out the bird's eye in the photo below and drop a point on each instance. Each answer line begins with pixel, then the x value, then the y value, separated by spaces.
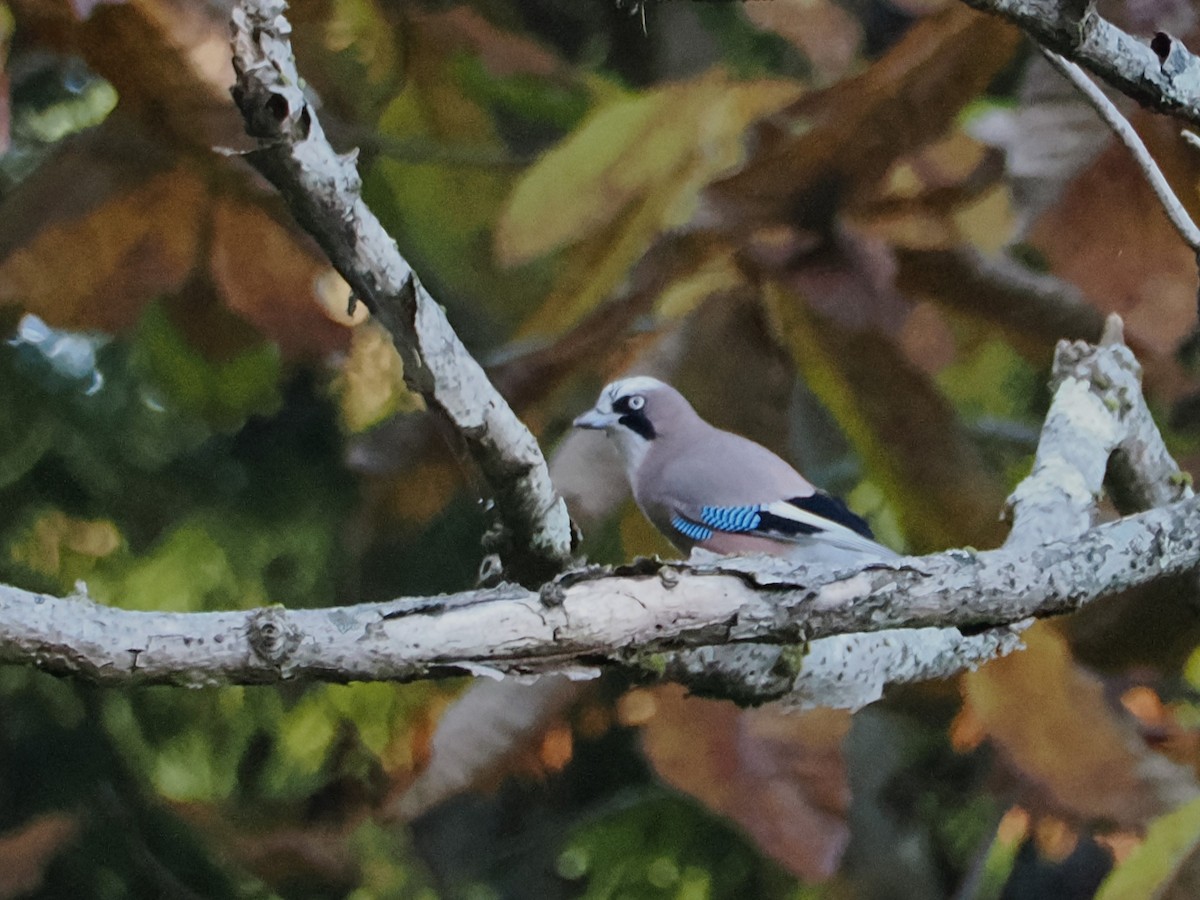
pixel 636 402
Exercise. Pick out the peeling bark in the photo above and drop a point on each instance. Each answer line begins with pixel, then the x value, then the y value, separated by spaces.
pixel 600 616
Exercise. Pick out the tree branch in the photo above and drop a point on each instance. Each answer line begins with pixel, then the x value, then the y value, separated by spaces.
pixel 1162 75
pixel 323 191
pixel 595 616
pixel 724 626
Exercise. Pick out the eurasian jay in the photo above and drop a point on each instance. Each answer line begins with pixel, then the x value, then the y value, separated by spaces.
pixel 708 488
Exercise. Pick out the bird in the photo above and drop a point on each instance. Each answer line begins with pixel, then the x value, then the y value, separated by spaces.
pixel 707 488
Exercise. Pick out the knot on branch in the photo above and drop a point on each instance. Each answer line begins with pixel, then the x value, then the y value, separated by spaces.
pixel 554 592
pixel 1109 367
pixel 271 636
pixel 1173 57
pixel 268 90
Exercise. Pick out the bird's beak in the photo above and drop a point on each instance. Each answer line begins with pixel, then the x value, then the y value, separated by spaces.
pixel 596 420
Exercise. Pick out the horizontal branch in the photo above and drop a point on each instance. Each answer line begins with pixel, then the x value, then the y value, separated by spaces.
pixel 597 615
pixel 323 191
pixel 845 671
pixel 750 629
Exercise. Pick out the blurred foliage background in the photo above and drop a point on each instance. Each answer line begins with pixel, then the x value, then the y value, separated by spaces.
pixel 852 230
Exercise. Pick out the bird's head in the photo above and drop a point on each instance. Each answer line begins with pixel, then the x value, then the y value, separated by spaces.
pixel 635 412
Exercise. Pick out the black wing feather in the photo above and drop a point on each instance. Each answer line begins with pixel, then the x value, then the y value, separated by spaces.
pixel 830 507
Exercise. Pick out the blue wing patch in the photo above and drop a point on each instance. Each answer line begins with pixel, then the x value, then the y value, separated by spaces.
pixel 757 518
pixel 731 518
pixel 693 531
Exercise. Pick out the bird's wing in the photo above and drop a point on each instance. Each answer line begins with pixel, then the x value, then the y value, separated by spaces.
pixel 816 518
pixel 713 483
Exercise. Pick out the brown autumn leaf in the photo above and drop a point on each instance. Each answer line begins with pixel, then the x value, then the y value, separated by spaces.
pixel 95 267
pixel 151 211
pixel 846 137
pixel 168 60
pixel 141 222
pixel 275 277
pixel 827 34
pixel 288 856
pixel 779 775
pixel 503 53
pixel 26 851
pixel 1075 754
pixel 839 316
pixel 1108 234
pixel 950 221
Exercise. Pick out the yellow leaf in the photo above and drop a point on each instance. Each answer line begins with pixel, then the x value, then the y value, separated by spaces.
pixel 63 547
pixel 371 384
pixel 1165 865
pixel 634 169
pixel 670 140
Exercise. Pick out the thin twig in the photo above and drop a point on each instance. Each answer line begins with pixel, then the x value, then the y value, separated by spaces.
pixel 1129 137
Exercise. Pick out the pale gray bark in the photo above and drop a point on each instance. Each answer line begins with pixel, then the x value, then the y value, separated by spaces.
pixel 596 616
pixel 723 626
pixel 1162 74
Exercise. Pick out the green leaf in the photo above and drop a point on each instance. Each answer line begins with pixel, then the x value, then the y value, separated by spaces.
pixel 1166 866
pixel 222 393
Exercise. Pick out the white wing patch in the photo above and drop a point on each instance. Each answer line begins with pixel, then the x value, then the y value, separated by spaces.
pixel 820 529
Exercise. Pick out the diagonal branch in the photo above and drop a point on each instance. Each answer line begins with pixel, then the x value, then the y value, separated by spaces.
pixel 323 191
